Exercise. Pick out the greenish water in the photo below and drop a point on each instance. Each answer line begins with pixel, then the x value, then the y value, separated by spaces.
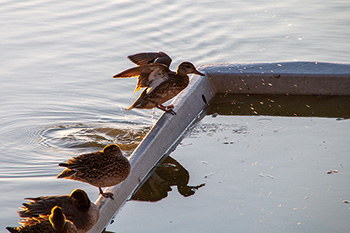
pixel 253 164
pixel 261 174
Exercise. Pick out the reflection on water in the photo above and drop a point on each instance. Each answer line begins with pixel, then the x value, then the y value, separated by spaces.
pixel 281 105
pixel 56 143
pixel 169 173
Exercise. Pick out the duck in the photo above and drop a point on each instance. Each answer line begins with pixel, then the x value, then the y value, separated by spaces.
pixel 56 222
pixel 76 207
pixel 101 169
pixel 160 83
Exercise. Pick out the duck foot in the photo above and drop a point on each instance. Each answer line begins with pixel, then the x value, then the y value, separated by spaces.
pixel 168 108
pixel 106 195
pixel 197 187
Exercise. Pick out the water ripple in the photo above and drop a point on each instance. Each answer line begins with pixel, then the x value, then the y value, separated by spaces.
pixel 83 136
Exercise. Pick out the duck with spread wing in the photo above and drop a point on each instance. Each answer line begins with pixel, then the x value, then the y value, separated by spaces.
pixel 160 83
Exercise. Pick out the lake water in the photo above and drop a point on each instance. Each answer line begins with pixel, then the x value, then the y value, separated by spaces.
pixel 58 58
pixel 261 174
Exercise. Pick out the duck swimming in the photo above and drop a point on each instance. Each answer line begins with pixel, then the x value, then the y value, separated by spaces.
pixel 54 223
pixel 160 82
pixel 76 207
pixel 101 169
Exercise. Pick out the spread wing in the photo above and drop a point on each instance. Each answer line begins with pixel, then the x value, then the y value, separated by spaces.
pixel 149 75
pixel 148 58
pixel 43 205
pixel 33 220
pixel 129 73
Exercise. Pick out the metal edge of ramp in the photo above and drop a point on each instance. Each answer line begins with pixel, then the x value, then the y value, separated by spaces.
pixel 167 130
pixel 293 78
pixel 300 78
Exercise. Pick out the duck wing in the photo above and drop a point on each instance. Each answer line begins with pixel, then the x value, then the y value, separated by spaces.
pixel 43 205
pixel 129 73
pixel 148 58
pixel 158 80
pixel 38 225
pixel 149 75
pixel 81 162
pixel 33 220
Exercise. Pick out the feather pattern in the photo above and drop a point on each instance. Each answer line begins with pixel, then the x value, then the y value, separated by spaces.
pixel 148 75
pixel 101 169
pixel 77 208
pixel 160 82
pixel 150 57
pixel 53 223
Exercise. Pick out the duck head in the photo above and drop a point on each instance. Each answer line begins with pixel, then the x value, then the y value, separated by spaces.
pixel 187 68
pixel 112 148
pixel 80 199
pixel 57 219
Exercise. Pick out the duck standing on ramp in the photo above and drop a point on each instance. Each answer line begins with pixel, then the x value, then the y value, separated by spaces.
pixel 160 82
pixel 76 207
pixel 101 169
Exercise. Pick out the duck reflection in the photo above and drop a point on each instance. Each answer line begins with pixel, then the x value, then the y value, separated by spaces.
pixel 169 173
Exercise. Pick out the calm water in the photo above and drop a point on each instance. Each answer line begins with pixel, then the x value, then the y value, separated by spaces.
pixel 58 59
pixel 261 174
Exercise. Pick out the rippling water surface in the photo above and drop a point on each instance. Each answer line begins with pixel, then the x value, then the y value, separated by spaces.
pixel 58 98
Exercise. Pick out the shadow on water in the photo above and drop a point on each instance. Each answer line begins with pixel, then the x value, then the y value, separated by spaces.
pixel 157 186
pixel 281 105
pixel 169 173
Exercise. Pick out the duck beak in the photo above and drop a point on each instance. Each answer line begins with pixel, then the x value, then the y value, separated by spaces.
pixel 199 73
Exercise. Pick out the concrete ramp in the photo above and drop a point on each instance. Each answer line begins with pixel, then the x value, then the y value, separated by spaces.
pixel 285 78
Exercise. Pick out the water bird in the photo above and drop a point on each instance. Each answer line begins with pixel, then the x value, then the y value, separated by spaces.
pixel 56 222
pixel 160 83
pixel 77 208
pixel 101 169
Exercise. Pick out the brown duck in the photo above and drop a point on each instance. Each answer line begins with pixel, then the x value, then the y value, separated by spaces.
pixel 54 223
pixel 160 82
pixel 101 169
pixel 77 208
